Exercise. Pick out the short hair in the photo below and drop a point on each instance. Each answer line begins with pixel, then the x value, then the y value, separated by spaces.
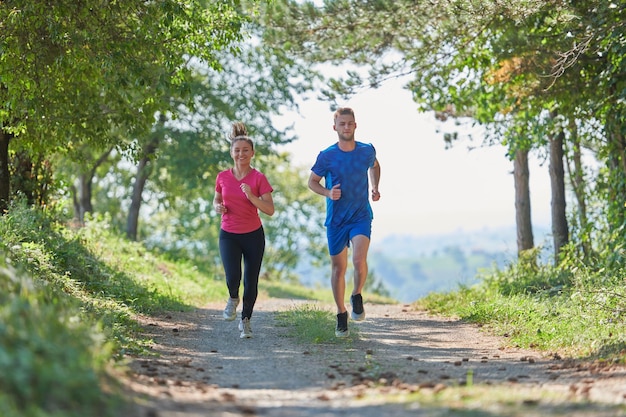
pixel 238 132
pixel 342 111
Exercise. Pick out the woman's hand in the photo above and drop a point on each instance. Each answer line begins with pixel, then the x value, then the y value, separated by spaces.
pixel 220 208
pixel 246 190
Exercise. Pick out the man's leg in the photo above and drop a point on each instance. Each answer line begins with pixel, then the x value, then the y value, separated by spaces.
pixel 360 247
pixel 360 244
pixel 339 264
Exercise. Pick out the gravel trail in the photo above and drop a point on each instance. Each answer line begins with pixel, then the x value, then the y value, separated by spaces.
pixel 400 362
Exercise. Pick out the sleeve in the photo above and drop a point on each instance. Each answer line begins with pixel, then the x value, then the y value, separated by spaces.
pixel 264 185
pixel 218 183
pixel 319 168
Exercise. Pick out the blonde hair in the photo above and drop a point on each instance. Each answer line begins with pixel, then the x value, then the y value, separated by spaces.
pixel 238 132
pixel 342 111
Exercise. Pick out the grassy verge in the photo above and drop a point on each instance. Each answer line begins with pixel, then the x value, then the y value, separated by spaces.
pixel 570 312
pixel 68 299
pixel 308 322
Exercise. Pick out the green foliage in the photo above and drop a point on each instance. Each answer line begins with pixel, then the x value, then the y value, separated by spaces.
pixel 96 74
pixel 68 315
pixel 189 228
pixel 575 311
pixel 32 178
pixel 79 67
pixel 528 276
pixel 53 360
pixel 526 70
pixel 295 232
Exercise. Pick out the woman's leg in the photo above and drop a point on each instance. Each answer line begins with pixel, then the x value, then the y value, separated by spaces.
pixel 253 250
pixel 231 253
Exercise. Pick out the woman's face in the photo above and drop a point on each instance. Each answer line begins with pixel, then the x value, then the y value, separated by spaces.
pixel 241 152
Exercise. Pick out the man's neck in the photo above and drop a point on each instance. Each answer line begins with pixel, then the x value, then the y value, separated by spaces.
pixel 346 145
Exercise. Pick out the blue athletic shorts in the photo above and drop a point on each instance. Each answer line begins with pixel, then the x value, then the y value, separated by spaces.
pixel 340 237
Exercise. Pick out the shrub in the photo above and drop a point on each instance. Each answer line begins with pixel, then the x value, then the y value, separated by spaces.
pixel 52 362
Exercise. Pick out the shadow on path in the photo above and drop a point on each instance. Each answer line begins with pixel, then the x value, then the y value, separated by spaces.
pixel 395 360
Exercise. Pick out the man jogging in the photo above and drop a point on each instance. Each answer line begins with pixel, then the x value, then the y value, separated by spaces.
pixel 348 167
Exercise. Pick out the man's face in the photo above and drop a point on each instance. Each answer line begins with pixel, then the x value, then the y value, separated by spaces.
pixel 345 126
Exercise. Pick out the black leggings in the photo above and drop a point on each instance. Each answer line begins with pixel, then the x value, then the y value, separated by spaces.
pixel 250 247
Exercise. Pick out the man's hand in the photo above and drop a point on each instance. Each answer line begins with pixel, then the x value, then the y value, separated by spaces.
pixel 335 192
pixel 375 195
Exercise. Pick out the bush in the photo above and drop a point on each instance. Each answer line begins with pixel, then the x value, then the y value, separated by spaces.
pixel 52 362
pixel 527 276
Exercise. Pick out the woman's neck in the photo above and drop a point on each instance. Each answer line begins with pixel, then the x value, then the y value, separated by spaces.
pixel 240 171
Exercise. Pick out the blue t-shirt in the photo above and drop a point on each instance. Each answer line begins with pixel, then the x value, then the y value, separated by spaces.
pixel 350 170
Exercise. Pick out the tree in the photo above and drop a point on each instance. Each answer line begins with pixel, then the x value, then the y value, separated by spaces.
pixel 81 190
pixel 254 84
pixel 144 168
pixel 172 181
pixel 505 65
pixel 71 71
pixel 560 233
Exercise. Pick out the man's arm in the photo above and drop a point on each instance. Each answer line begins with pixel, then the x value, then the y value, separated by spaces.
pixel 374 172
pixel 315 186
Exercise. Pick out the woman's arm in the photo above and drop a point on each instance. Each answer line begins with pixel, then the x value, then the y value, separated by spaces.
pixel 264 202
pixel 218 203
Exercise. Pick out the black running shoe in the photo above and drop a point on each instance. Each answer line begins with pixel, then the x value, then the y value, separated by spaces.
pixel 358 313
pixel 342 325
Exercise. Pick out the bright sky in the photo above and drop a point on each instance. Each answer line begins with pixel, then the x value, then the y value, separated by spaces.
pixel 425 189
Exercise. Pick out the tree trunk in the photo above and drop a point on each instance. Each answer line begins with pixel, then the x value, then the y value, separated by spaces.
pixel 143 172
pixel 82 194
pixel 82 198
pixel 560 233
pixel 616 162
pixel 5 176
pixel 577 180
pixel 521 175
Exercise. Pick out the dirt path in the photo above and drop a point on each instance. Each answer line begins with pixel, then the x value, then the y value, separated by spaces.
pixel 402 363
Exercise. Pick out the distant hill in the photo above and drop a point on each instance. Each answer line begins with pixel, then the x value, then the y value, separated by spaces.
pixel 410 267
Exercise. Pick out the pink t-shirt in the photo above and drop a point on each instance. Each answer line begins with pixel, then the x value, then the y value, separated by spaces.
pixel 241 215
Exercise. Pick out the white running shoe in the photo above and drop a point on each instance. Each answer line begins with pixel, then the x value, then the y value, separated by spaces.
pixel 245 328
pixel 230 312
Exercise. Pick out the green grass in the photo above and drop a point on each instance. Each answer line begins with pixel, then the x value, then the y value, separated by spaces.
pixel 581 316
pixel 310 324
pixel 296 291
pixel 68 302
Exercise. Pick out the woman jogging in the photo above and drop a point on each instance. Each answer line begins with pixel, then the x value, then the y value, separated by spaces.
pixel 240 192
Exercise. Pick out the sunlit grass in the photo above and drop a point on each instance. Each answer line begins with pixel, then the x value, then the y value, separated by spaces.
pixel 311 324
pixel 579 321
pixel 69 299
pixel 290 290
